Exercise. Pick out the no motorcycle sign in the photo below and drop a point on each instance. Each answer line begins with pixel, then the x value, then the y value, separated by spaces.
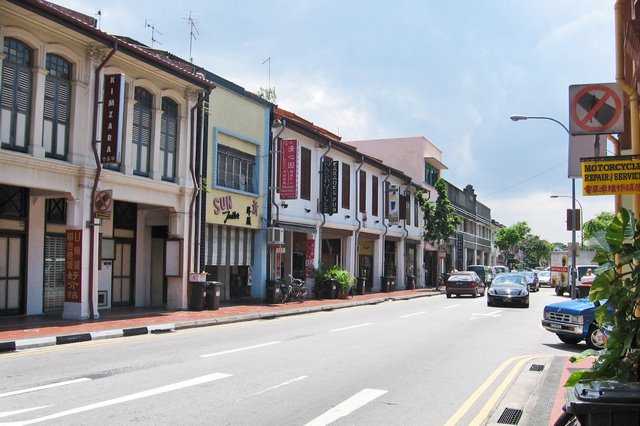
pixel 595 109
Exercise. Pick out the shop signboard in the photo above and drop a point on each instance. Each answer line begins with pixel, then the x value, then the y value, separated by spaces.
pixel 329 199
pixel 611 177
pixel 73 266
pixel 112 118
pixel 289 169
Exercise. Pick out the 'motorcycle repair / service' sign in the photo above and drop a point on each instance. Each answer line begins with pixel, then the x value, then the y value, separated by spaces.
pixel 611 177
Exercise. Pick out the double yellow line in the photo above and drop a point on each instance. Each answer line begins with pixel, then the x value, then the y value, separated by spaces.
pixel 497 394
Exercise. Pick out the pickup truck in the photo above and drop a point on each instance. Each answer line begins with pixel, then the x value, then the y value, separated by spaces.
pixel 574 321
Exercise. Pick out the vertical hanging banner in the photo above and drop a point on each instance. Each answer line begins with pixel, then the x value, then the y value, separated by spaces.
pixel 309 256
pixel 112 117
pixel 73 266
pixel 394 204
pixel 329 196
pixel 289 169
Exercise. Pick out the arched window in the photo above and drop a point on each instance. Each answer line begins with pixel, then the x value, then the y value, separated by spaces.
pixel 169 138
pixel 142 122
pixel 57 107
pixel 15 95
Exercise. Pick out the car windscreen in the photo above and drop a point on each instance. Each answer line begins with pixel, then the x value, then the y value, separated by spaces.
pixel 460 277
pixel 508 280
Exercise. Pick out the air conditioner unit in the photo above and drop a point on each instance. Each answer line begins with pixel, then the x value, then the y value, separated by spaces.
pixel 276 236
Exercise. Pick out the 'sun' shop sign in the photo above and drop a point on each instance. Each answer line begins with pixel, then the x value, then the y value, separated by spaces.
pixel 611 177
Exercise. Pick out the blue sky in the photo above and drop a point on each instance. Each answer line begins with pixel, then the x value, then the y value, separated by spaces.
pixel 450 71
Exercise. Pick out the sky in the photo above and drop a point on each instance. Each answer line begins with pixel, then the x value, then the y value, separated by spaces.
pixel 451 71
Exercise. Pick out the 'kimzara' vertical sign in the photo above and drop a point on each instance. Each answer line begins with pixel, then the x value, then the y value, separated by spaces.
pixel 112 116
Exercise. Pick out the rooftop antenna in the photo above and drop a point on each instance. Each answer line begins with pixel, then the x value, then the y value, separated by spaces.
pixel 264 62
pixel 99 15
pixel 153 32
pixel 192 34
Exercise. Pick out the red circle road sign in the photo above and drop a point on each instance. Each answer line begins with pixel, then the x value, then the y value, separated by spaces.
pixel 102 201
pixel 595 108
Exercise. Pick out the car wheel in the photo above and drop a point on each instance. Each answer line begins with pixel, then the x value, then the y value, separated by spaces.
pixel 526 303
pixel 595 338
pixel 568 339
pixel 559 291
pixel 448 295
pixel 475 294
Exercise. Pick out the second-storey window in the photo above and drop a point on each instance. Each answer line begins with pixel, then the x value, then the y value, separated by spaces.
pixel 305 173
pixel 15 95
pixel 362 207
pixel 235 169
pixel 169 138
pixel 374 195
pixel 142 113
pixel 346 185
pixel 57 107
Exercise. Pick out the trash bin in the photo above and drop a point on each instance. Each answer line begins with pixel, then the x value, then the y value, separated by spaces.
pixel 330 289
pixel 197 295
pixel 273 291
pixel 360 285
pixel 605 403
pixel 411 282
pixel 212 297
pixel 388 284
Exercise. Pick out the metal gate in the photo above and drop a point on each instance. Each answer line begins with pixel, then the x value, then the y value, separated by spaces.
pixel 54 262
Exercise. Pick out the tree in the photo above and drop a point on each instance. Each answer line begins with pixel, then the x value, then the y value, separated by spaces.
pixel 268 94
pixel 509 238
pixel 598 223
pixel 439 219
pixel 536 251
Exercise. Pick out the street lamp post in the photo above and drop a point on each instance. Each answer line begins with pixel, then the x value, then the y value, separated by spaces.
pixel 581 217
pixel 573 203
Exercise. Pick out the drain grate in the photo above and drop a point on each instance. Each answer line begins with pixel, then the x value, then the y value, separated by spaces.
pixel 510 416
pixel 536 367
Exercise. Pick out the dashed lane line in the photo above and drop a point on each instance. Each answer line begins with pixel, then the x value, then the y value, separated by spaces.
pixel 49 386
pixel 246 348
pixel 351 327
pixel 347 407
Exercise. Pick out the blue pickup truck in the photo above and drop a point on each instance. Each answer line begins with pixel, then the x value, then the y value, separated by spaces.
pixel 574 321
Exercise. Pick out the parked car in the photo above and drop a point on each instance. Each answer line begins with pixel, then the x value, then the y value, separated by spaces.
pixel 466 282
pixel 499 269
pixel 509 289
pixel 483 271
pixel 574 321
pixel 532 280
pixel 544 278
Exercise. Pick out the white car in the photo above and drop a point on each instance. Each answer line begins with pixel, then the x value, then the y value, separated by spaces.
pixel 544 278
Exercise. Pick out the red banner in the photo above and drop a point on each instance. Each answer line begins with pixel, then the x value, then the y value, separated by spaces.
pixel 289 169
pixel 73 266
pixel 310 255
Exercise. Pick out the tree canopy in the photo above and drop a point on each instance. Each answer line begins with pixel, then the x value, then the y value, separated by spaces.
pixel 598 223
pixel 439 219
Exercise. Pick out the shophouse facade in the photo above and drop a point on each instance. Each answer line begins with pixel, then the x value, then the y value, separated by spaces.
pixel 472 243
pixel 332 204
pixel 96 166
pixel 234 203
pixel 420 159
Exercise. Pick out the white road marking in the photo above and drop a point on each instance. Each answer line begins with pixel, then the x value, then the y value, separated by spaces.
pixel 451 306
pixel 352 326
pixel 49 386
pixel 26 410
pixel 246 348
pixel 412 315
pixel 280 385
pixel 139 395
pixel 494 314
pixel 347 407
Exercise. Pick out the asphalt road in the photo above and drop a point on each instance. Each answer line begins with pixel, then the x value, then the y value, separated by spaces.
pixel 426 361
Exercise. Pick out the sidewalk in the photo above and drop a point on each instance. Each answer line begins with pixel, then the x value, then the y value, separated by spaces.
pixel 23 332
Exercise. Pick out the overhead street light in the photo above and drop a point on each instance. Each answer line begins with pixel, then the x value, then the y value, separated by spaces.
pixel 516 117
pixel 581 217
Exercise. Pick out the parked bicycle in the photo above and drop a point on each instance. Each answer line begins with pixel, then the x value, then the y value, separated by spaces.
pixel 295 289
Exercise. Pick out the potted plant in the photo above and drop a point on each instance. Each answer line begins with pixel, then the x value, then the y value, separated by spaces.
pixel 341 278
pixel 616 289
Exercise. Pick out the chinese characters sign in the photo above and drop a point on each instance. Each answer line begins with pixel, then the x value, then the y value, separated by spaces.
pixel 112 114
pixel 73 265
pixel 310 255
pixel 611 177
pixel 289 169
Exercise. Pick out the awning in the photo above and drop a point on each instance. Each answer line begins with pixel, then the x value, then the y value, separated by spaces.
pixel 228 245
pixel 297 227
pixel 435 163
